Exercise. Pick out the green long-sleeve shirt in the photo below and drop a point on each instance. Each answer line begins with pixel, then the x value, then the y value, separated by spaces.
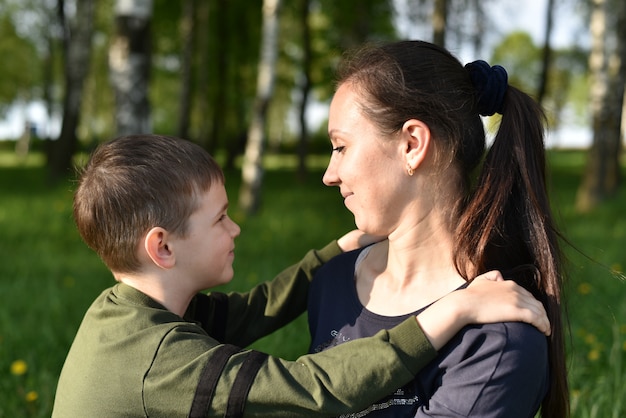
pixel 133 358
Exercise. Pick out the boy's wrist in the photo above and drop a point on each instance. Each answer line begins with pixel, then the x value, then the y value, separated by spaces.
pixel 458 308
pixel 443 319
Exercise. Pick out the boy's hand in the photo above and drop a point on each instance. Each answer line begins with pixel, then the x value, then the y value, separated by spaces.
pixel 489 298
pixel 357 239
pixel 503 301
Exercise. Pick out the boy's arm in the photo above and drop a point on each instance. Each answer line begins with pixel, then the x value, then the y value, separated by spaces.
pixel 340 380
pixel 242 318
pixel 488 299
pixel 352 375
pixel 192 374
pixel 344 378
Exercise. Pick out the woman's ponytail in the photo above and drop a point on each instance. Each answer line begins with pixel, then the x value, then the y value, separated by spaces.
pixel 507 222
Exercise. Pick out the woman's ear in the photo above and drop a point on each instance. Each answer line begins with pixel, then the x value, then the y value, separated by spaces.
pixel 416 135
pixel 158 249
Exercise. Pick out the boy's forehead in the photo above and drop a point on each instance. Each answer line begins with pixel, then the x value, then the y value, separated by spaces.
pixel 215 197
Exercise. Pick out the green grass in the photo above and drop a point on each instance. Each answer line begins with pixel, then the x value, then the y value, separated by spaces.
pixel 48 277
pixel 596 293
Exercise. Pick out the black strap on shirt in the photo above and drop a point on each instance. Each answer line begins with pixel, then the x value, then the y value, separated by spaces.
pixel 220 315
pixel 243 383
pixel 213 305
pixel 208 380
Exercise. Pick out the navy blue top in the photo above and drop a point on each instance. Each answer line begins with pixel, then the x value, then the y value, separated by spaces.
pixel 492 370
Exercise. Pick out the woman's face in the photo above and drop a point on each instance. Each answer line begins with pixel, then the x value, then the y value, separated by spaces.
pixel 368 169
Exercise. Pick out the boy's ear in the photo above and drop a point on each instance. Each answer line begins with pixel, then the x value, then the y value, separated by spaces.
pixel 157 248
pixel 416 135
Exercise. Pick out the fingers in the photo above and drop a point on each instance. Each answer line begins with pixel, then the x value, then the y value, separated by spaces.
pixel 357 239
pixel 351 240
pixel 489 298
pixel 367 239
pixel 529 309
pixel 537 316
pixel 493 275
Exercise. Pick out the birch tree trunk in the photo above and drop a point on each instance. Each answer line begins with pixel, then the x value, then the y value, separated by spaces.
pixel 607 66
pixel 252 170
pixel 305 89
pixel 129 66
pixel 77 34
pixel 546 53
pixel 440 15
pixel 48 80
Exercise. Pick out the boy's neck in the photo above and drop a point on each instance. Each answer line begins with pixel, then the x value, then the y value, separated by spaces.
pixel 172 298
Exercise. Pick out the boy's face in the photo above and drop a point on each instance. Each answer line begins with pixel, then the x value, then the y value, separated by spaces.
pixel 205 255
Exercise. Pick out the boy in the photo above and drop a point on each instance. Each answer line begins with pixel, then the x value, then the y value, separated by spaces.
pixel 154 208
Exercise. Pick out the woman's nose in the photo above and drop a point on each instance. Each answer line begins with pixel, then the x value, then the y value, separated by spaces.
pixel 330 175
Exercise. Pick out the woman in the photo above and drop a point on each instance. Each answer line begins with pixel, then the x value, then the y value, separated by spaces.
pixel 407 137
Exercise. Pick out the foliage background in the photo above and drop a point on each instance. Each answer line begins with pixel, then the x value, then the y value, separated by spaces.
pixel 48 277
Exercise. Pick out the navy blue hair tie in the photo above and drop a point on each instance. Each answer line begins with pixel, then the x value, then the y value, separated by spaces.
pixel 490 84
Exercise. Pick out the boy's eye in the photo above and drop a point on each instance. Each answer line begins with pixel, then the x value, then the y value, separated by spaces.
pixel 338 149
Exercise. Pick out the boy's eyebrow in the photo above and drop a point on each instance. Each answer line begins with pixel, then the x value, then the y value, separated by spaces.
pixel 221 210
pixel 224 208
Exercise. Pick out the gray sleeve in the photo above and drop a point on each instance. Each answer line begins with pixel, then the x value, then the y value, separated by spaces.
pixel 497 370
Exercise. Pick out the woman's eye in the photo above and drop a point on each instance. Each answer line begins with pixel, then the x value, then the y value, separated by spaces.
pixel 338 149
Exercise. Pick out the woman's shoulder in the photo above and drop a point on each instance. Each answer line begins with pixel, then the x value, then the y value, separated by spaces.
pixel 495 345
pixel 499 367
pixel 339 265
pixel 505 335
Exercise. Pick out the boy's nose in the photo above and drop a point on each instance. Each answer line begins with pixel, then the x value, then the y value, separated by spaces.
pixel 236 229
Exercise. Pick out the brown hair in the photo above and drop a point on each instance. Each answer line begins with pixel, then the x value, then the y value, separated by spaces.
pixel 134 183
pixel 504 220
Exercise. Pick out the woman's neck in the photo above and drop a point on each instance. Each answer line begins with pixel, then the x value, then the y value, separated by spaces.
pixel 411 269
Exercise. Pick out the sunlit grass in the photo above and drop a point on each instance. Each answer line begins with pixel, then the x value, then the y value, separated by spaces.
pixel 9 159
pixel 596 291
pixel 48 277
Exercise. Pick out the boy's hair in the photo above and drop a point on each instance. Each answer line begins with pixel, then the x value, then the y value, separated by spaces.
pixel 134 183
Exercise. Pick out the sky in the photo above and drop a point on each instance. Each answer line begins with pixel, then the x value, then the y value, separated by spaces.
pixel 569 28
pixel 507 14
pixel 531 18
pixel 12 126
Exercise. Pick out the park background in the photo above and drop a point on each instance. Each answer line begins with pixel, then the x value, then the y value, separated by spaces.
pixel 250 81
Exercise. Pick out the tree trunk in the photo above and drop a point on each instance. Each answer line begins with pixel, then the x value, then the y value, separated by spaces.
pixel 478 34
pixel 305 90
pixel 221 73
pixel 546 54
pixel 48 79
pixel 187 29
pixel 439 22
pixel 252 170
pixel 129 66
pixel 602 175
pixel 203 36
pixel 77 34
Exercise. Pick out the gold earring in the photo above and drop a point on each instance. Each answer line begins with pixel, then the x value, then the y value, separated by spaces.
pixel 409 170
